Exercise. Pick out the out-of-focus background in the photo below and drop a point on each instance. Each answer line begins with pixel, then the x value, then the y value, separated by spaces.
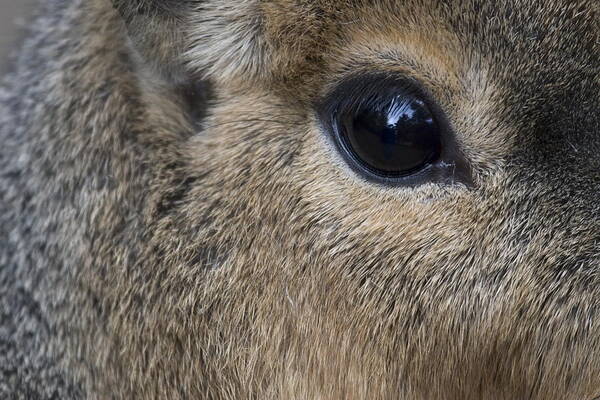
pixel 13 14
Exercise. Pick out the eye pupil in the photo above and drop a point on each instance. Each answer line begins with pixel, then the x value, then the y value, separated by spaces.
pixel 396 139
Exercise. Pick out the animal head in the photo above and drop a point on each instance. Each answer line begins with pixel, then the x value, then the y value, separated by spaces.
pixel 383 199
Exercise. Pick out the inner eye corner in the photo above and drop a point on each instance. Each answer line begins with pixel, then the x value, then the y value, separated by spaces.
pixel 390 131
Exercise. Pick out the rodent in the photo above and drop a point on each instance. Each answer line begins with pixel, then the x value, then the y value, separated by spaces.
pixel 188 209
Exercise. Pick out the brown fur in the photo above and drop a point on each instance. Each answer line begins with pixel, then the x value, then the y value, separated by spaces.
pixel 175 225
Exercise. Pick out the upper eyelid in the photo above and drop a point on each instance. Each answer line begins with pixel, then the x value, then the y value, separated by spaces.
pixel 392 61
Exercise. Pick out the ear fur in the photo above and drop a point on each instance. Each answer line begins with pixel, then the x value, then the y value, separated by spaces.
pixel 229 41
pixel 155 29
pixel 255 40
pixel 189 37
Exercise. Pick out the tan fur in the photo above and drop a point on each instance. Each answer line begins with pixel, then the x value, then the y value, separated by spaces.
pixel 235 255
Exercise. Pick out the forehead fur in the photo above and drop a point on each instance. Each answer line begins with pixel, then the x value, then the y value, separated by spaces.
pixel 281 37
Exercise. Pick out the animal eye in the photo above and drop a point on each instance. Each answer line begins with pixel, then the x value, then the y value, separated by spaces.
pixel 397 138
pixel 391 132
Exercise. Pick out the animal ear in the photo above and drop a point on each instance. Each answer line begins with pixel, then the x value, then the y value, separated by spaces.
pixel 157 30
pixel 234 40
pixel 216 39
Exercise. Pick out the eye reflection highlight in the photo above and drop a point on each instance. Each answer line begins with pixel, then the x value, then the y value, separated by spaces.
pixel 394 140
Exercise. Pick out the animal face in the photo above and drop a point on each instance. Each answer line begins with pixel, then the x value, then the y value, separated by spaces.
pixel 334 199
pixel 389 198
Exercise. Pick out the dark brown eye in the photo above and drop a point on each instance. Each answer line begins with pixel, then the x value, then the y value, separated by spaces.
pixel 390 131
pixel 392 139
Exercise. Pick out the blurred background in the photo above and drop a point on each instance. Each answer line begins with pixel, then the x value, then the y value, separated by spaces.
pixel 13 16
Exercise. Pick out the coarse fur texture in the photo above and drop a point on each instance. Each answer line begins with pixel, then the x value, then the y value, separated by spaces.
pixel 175 225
